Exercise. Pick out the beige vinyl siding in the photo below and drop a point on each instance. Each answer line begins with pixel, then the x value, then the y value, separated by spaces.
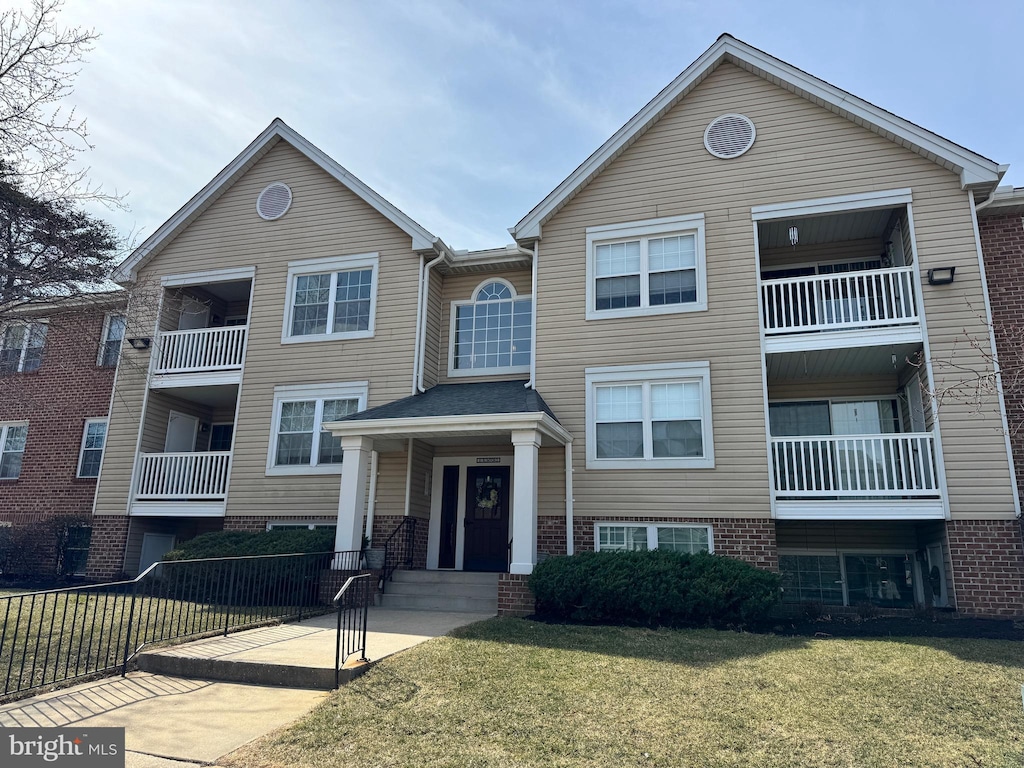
pixel 158 411
pixel 847 250
pixel 833 389
pixel 326 220
pixel 551 482
pixel 802 152
pixel 183 529
pixel 391 471
pixel 461 288
pixel 421 479
pixel 435 336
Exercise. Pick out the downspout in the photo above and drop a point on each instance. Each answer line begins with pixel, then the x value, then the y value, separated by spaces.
pixel 568 500
pixel 422 322
pixel 532 383
pixel 419 320
pixel 408 478
pixel 371 502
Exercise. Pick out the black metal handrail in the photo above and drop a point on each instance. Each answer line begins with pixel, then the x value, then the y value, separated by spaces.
pixel 399 549
pixel 58 635
pixel 353 603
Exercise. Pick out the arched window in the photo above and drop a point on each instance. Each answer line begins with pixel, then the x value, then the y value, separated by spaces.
pixel 492 331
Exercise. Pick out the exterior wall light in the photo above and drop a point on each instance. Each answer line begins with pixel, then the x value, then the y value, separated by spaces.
pixel 143 342
pixel 941 275
pixel 794 236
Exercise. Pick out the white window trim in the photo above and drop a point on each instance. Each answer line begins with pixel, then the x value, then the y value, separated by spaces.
pixel 318 392
pixel 645 375
pixel 330 265
pixel 24 349
pixel 81 448
pixel 454 372
pixel 103 339
pixel 4 426
pixel 663 227
pixel 652 531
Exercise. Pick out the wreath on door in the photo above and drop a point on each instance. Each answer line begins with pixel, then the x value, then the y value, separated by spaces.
pixel 487 494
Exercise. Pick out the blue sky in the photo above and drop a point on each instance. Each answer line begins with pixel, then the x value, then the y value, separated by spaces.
pixel 466 114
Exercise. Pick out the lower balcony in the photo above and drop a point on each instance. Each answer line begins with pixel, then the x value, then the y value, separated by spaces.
pixel 191 484
pixel 857 477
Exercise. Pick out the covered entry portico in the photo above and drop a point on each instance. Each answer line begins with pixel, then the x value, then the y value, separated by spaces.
pixel 480 483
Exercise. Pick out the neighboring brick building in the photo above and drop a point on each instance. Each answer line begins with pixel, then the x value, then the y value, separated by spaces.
pixel 56 373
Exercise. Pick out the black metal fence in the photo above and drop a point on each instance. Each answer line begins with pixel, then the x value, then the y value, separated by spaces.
pixel 353 603
pixel 59 635
pixel 399 549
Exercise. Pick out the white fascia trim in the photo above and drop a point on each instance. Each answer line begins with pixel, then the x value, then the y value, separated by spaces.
pixel 859 510
pixel 177 509
pixel 426 425
pixel 209 379
pixel 816 207
pixel 422 240
pixel 226 275
pixel 973 168
pixel 848 339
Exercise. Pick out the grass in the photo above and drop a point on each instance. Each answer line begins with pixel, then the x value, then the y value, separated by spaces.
pixel 509 692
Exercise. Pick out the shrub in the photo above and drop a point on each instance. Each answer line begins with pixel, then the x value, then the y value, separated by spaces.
pixel 240 543
pixel 658 587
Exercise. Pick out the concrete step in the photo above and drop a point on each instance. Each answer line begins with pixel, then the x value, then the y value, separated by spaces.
pixel 250 672
pixel 440 589
pixel 445 577
pixel 440 602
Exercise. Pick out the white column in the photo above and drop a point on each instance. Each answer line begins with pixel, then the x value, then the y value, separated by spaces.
pixel 524 501
pixel 352 499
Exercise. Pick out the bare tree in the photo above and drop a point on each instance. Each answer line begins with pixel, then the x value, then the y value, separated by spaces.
pixel 41 139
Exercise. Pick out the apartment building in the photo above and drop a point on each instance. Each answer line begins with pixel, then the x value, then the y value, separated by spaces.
pixel 57 368
pixel 720 333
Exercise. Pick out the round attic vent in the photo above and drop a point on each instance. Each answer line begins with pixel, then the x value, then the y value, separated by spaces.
pixel 274 201
pixel 729 136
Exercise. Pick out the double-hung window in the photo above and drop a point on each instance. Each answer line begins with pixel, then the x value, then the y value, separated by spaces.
pixel 333 298
pixel 690 539
pixel 113 335
pixel 94 438
pixel 649 417
pixel 21 349
pixel 492 332
pixel 12 447
pixel 647 267
pixel 299 444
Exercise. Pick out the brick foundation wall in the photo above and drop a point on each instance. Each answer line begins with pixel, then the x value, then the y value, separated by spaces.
pixel 1002 243
pixel 514 597
pixel 749 539
pixel 988 566
pixel 258 523
pixel 55 400
pixel 551 536
pixel 106 551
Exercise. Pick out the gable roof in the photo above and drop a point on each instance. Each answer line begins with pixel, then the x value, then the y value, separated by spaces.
pixel 277 131
pixel 476 398
pixel 976 172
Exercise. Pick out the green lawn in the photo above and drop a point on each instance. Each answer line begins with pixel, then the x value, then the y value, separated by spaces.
pixel 510 692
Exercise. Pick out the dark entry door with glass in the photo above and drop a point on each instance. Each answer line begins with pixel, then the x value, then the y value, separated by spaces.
pixel 487 512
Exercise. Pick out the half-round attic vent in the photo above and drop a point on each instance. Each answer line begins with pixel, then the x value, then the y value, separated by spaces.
pixel 274 201
pixel 729 136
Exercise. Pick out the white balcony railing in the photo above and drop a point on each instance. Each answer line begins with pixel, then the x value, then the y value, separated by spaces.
pixel 856 466
pixel 201 349
pixel 166 476
pixel 869 299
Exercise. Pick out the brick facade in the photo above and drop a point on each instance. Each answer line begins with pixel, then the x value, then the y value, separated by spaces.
pixel 106 552
pixel 551 535
pixel 988 566
pixel 68 388
pixel 751 539
pixel 514 596
pixel 258 523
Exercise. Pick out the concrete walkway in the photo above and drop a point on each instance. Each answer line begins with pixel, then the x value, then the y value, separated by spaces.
pixel 170 718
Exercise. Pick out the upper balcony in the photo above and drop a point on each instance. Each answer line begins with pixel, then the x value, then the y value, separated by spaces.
pixel 203 334
pixel 833 311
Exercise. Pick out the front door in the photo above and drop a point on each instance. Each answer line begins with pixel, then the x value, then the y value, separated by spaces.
pixel 486 524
